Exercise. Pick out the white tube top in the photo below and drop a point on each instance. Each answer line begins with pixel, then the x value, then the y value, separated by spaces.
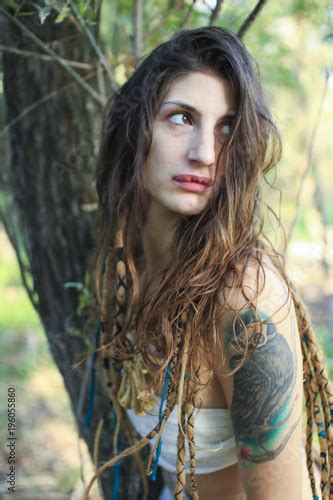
pixel 213 436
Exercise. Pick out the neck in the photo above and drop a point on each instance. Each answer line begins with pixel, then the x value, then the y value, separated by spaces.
pixel 157 237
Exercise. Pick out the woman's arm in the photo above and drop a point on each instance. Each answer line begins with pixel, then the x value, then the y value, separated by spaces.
pixel 265 394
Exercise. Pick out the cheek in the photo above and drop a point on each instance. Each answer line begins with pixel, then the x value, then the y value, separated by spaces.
pixel 156 163
pixel 150 173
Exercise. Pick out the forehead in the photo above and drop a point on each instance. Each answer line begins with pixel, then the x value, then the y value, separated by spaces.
pixel 204 91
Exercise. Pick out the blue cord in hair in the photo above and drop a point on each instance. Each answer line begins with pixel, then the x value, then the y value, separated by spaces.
pixel 159 447
pixel 116 476
pixel 87 419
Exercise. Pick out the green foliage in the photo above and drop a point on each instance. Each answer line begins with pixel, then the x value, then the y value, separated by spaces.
pixel 330 214
pixel 68 478
pixel 301 231
pixel 17 363
pixel 9 3
pixel 16 311
pixel 9 277
pixel 326 341
pixel 62 8
pixel 63 14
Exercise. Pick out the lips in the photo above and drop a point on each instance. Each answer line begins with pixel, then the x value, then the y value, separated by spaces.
pixel 205 181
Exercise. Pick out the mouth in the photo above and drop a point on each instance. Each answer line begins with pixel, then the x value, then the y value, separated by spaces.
pixel 205 181
pixel 193 183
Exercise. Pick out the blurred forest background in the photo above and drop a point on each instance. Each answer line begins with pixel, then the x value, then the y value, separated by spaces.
pixel 44 140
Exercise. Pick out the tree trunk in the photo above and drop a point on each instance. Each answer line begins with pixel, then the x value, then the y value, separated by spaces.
pixel 49 212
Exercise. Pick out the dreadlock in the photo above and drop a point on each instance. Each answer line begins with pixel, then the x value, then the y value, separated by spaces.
pixel 317 393
pixel 318 399
pixel 112 373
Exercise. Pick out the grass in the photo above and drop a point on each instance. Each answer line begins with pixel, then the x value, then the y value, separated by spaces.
pixel 326 341
pixel 45 424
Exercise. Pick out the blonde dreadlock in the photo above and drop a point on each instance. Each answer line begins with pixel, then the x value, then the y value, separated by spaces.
pixel 112 371
pixel 318 401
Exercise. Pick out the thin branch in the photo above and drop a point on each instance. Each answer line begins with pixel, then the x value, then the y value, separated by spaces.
pixel 215 12
pixel 137 28
pixel 57 58
pixel 188 16
pixel 101 83
pixel 319 198
pixel 34 105
pixel 250 18
pixel 170 6
pixel 98 10
pixel 310 159
pixel 95 46
pixel 42 57
pixel 64 38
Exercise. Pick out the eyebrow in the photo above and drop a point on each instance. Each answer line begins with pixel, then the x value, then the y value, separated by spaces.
pixel 188 107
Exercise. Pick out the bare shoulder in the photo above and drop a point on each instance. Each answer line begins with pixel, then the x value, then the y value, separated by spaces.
pixel 262 286
pixel 257 317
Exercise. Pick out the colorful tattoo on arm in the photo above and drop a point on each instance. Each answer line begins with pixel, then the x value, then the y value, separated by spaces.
pixel 264 387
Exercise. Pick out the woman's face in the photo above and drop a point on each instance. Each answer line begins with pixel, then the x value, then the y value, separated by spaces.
pixel 189 129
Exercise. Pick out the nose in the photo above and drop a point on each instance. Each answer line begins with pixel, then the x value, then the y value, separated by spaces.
pixel 202 146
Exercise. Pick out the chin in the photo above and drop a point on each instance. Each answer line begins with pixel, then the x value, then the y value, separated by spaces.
pixel 189 210
pixel 179 206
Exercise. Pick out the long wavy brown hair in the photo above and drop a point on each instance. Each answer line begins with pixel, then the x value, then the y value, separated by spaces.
pixel 209 251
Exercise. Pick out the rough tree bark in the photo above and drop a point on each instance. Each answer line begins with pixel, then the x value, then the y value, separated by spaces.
pixel 49 182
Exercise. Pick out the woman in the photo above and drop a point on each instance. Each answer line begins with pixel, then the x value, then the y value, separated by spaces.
pixel 205 342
